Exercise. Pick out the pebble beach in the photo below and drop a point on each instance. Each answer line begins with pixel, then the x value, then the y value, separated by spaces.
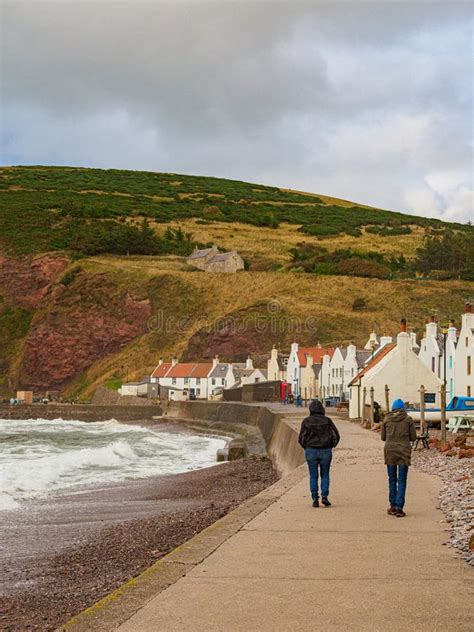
pixel 457 494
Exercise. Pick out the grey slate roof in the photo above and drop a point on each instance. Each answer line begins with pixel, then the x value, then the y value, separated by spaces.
pixel 317 369
pixel 200 253
pixel 343 353
pixel 222 256
pixel 362 357
pixel 219 370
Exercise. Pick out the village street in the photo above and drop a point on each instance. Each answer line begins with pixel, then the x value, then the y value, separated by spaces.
pixel 348 567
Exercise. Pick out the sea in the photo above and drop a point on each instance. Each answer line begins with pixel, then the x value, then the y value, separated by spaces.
pixel 42 457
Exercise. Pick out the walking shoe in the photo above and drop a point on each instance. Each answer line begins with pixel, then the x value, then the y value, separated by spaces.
pixel 316 503
pixel 325 501
pixel 392 511
pixel 400 513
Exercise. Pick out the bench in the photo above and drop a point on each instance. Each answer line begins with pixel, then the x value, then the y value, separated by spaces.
pixel 460 422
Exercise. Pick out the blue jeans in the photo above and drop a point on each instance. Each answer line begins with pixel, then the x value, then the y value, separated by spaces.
pixel 319 460
pixel 397 484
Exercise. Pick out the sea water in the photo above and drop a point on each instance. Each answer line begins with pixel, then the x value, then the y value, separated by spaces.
pixel 41 456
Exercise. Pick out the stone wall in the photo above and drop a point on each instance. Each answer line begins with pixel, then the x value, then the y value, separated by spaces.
pixel 82 412
pixel 280 439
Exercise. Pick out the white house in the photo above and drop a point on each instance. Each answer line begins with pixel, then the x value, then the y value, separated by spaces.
pixel 337 371
pixel 464 359
pixel 239 373
pixel 432 353
pixel 298 360
pixel 397 366
pixel 277 365
pixel 189 377
pixel 217 377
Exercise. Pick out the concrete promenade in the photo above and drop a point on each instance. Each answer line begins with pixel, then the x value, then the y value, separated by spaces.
pixel 346 568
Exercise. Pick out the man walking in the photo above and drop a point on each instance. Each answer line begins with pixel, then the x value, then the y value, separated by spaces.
pixel 398 431
pixel 318 436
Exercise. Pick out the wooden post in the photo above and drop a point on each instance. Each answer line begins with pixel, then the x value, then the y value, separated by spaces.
pixel 358 400
pixel 371 407
pixel 422 409
pixel 305 396
pixel 387 398
pixel 364 395
pixel 443 414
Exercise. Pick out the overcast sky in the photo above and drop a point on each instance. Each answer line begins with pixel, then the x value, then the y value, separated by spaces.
pixel 367 101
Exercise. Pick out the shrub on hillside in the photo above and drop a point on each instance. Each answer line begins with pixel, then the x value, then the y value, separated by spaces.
pixel 359 304
pixel 363 268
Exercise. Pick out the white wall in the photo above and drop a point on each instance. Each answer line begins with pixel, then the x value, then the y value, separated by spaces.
pixel 464 379
pixel 403 372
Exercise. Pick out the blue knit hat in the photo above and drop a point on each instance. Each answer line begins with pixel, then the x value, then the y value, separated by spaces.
pixel 398 403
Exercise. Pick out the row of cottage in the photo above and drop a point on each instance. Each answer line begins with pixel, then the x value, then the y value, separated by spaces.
pixel 342 373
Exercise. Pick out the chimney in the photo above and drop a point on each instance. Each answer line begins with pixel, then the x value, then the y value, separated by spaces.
pixel 414 344
pixel 403 325
pixel 215 361
pixel 174 361
pixel 468 308
pixel 309 360
pixel 385 340
pixel 351 350
pixel 452 331
pixel 404 339
pixel 249 363
pixel 432 318
pixel 160 361
pixel 274 353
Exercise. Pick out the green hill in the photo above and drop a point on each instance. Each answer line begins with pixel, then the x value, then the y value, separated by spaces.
pixel 94 287
pixel 93 211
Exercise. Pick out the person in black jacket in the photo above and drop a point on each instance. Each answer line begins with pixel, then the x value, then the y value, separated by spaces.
pixel 318 436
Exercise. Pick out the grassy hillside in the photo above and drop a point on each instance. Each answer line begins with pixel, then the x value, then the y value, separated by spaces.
pixel 76 313
pixel 64 208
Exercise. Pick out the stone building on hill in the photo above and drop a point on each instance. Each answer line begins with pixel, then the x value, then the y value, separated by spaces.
pixel 211 260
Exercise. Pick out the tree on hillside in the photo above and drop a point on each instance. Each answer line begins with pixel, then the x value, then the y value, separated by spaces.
pixel 451 251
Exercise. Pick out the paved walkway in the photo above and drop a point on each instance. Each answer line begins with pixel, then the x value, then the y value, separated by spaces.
pixel 350 567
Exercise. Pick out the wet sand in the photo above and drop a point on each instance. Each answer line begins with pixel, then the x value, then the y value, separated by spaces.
pixel 64 554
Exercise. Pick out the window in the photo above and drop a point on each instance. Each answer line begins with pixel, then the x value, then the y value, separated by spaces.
pixel 213 381
pixel 469 391
pixel 257 379
pixel 467 341
pixel 198 380
pixel 450 361
pixel 198 392
pixel 469 365
pixel 186 380
pixel 222 381
pixel 173 381
pixel 433 364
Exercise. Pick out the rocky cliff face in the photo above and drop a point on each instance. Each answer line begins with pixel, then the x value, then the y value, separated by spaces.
pixel 73 325
pixel 25 281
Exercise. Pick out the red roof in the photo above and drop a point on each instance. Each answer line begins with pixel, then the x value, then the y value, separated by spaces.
pixel 317 354
pixel 376 359
pixel 161 370
pixel 202 369
pixel 182 369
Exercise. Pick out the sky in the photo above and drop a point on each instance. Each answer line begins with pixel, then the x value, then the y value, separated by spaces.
pixel 367 101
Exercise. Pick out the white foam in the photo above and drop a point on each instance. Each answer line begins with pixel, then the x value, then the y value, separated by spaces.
pixel 43 456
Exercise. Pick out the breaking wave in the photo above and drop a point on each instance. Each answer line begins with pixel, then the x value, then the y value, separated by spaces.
pixel 38 457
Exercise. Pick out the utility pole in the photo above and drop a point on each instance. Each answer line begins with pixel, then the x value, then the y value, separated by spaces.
pixel 422 409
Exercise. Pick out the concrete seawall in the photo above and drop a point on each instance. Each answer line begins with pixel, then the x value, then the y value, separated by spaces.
pixel 82 412
pixel 281 440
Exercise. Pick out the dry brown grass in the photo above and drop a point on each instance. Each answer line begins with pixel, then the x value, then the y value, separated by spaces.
pixel 257 243
pixel 200 295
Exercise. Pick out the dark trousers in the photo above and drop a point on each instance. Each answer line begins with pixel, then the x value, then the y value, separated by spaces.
pixel 319 462
pixel 397 484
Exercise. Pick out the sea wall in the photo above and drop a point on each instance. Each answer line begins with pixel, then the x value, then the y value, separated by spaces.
pixel 82 412
pixel 281 440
